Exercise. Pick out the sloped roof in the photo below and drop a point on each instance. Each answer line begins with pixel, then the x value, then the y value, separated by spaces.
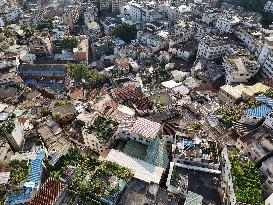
pixel 157 154
pixel 141 169
pixel 260 111
pixel 146 128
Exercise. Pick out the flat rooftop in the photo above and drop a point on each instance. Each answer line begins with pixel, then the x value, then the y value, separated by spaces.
pixel 201 183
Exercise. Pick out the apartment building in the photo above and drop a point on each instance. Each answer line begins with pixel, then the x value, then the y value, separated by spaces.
pixel 239 69
pixel 212 48
pixel 71 15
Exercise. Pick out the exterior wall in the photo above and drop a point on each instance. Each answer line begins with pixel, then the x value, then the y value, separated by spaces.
pixel 246 38
pixel 269 121
pixel 269 200
pixel 239 77
pixel 127 135
pixel 263 54
pixel 229 197
pixel 207 52
pixel 267 179
pixel 267 69
pixel 180 53
pixel 223 26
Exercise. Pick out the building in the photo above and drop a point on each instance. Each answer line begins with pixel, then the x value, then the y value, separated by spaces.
pixel 142 170
pixel 81 52
pixel 226 23
pixel 71 15
pixel 103 46
pixel 116 4
pixel 239 69
pixel 41 46
pixel 249 175
pixel 212 48
pixel 268 7
pixel 100 134
pixel 229 93
pixel 16 136
pixel 142 130
pixel 269 200
pixel 266 170
pixel 182 179
pixel 42 70
pixel 64 113
pixel 51 193
pixel 184 50
pixel 257 145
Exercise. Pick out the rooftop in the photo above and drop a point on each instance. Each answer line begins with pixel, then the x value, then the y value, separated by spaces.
pixel 199 182
pixel 141 169
pixel 146 128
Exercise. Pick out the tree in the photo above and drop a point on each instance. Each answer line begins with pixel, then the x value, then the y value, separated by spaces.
pixel 45 24
pixel 29 32
pixel 69 43
pixel 8 32
pixel 79 72
pixel 125 31
pixel 95 78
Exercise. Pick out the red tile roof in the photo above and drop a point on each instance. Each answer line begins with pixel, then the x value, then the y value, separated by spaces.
pixel 49 193
pixel 128 92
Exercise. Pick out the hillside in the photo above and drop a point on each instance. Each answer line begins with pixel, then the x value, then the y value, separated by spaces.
pixel 255 5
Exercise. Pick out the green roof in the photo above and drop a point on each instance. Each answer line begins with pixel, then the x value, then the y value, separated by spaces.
pixel 135 150
pixel 246 181
pixel 157 154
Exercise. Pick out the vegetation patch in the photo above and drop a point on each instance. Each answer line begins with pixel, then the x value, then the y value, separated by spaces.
pixel 247 186
pixel 103 129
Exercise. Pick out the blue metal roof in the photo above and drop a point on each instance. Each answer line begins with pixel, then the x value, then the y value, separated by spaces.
pixel 260 111
pixel 36 168
pixel 41 71
pixel 25 195
pixel 265 100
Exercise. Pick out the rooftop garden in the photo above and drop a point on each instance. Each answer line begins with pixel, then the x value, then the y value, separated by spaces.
pixel 229 113
pixel 19 173
pixel 192 129
pixel 251 104
pixel 268 93
pixel 161 75
pixel 8 126
pixel 103 129
pixel 247 186
pixel 57 103
pixel 94 179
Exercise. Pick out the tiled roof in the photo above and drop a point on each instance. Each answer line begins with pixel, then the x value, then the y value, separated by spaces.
pixel 260 111
pixel 169 128
pixel 49 193
pixel 157 154
pixel 146 128
pixel 128 92
pixel 143 104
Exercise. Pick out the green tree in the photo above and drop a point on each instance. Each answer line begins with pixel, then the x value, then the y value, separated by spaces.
pixel 8 32
pixel 69 43
pixel 79 72
pixel 126 32
pixel 45 24
pixel 29 32
pixel 95 78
